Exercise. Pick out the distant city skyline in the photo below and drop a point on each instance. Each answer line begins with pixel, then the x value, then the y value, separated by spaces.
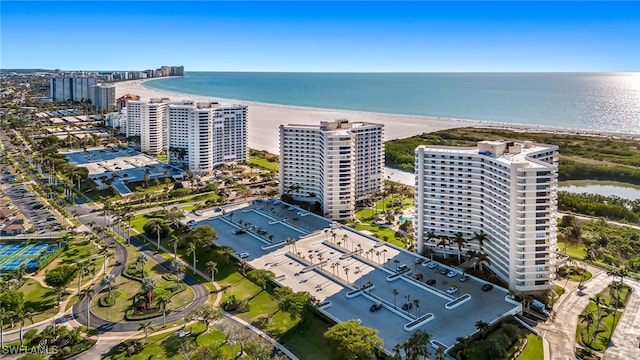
pixel 322 36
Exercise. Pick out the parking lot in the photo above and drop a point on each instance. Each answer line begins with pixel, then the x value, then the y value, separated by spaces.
pixel 36 211
pixel 329 266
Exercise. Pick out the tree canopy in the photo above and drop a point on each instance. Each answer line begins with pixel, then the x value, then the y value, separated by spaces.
pixel 353 340
pixel 152 227
pixel 202 235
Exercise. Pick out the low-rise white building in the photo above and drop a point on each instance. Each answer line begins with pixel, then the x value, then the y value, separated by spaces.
pixel 505 190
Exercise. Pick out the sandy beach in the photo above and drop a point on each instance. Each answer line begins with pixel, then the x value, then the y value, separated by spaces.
pixel 264 119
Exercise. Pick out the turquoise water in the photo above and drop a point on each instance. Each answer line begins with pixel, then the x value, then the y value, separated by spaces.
pixel 592 101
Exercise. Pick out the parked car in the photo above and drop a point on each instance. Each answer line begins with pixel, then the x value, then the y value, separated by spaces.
pixel 452 290
pixel 375 307
pixel 242 255
pixel 431 282
pixel 239 231
pixel 464 278
pixel 452 274
pixel 402 268
pixel 432 265
pixel 419 261
pixel 444 271
pixel 407 306
pixel 418 276
pixel 487 287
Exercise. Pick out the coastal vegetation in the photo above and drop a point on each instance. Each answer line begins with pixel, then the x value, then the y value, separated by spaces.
pixel 601 243
pixel 610 207
pixel 581 157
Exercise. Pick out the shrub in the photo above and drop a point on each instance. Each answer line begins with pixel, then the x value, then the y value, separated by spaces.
pixel 109 301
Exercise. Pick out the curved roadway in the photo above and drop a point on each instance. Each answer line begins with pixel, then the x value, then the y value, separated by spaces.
pixel 79 309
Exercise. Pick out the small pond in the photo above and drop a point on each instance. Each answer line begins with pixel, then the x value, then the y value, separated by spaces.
pixel 601 188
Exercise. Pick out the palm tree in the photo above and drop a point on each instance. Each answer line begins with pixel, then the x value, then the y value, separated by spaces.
pixel 173 242
pixel 480 237
pixel 108 281
pixel 191 249
pixel 212 268
pixel 3 315
pixel 460 241
pixel 416 303
pixel 140 261
pixel 482 326
pixel 22 316
pixel 395 293
pixel 464 345
pixel 177 268
pixel 588 318
pixel 88 294
pixel 444 242
pixel 440 354
pixel 148 284
pixel 83 269
pixel 107 254
pixel 244 266
pixel 599 301
pixel 145 327
pixel 345 237
pixel 346 273
pixel 162 301
pixel 483 258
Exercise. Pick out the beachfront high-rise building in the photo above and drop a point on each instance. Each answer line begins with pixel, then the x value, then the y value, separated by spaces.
pixel 335 164
pixel 103 97
pixel 148 120
pixel 504 190
pixel 71 88
pixel 205 135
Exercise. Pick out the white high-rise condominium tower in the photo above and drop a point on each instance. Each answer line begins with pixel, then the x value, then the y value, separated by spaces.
pixel 148 120
pixel 336 164
pixel 103 97
pixel 205 135
pixel 71 88
pixel 504 190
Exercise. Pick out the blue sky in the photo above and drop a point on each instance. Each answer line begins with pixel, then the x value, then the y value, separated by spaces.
pixel 322 36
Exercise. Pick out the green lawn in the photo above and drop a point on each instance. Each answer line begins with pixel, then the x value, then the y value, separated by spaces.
pixel 576 251
pixel 386 234
pixel 534 349
pixel 581 277
pixel 162 157
pixel 129 288
pixel 297 339
pixel 269 165
pixel 607 326
pixel 41 300
pixel 166 346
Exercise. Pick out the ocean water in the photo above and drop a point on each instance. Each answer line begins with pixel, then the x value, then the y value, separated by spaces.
pixel 592 101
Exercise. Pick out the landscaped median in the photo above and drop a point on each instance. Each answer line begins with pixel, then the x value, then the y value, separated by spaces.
pixel 598 321
pixel 134 301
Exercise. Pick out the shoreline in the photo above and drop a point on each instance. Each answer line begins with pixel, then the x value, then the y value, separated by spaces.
pixel 265 118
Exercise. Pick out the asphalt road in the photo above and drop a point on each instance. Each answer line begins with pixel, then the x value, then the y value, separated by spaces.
pixel 80 308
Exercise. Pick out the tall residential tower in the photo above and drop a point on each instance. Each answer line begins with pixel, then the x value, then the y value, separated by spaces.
pixel 148 120
pixel 505 190
pixel 336 164
pixel 204 135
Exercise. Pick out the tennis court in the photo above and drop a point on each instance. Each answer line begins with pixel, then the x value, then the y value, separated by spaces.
pixel 13 256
